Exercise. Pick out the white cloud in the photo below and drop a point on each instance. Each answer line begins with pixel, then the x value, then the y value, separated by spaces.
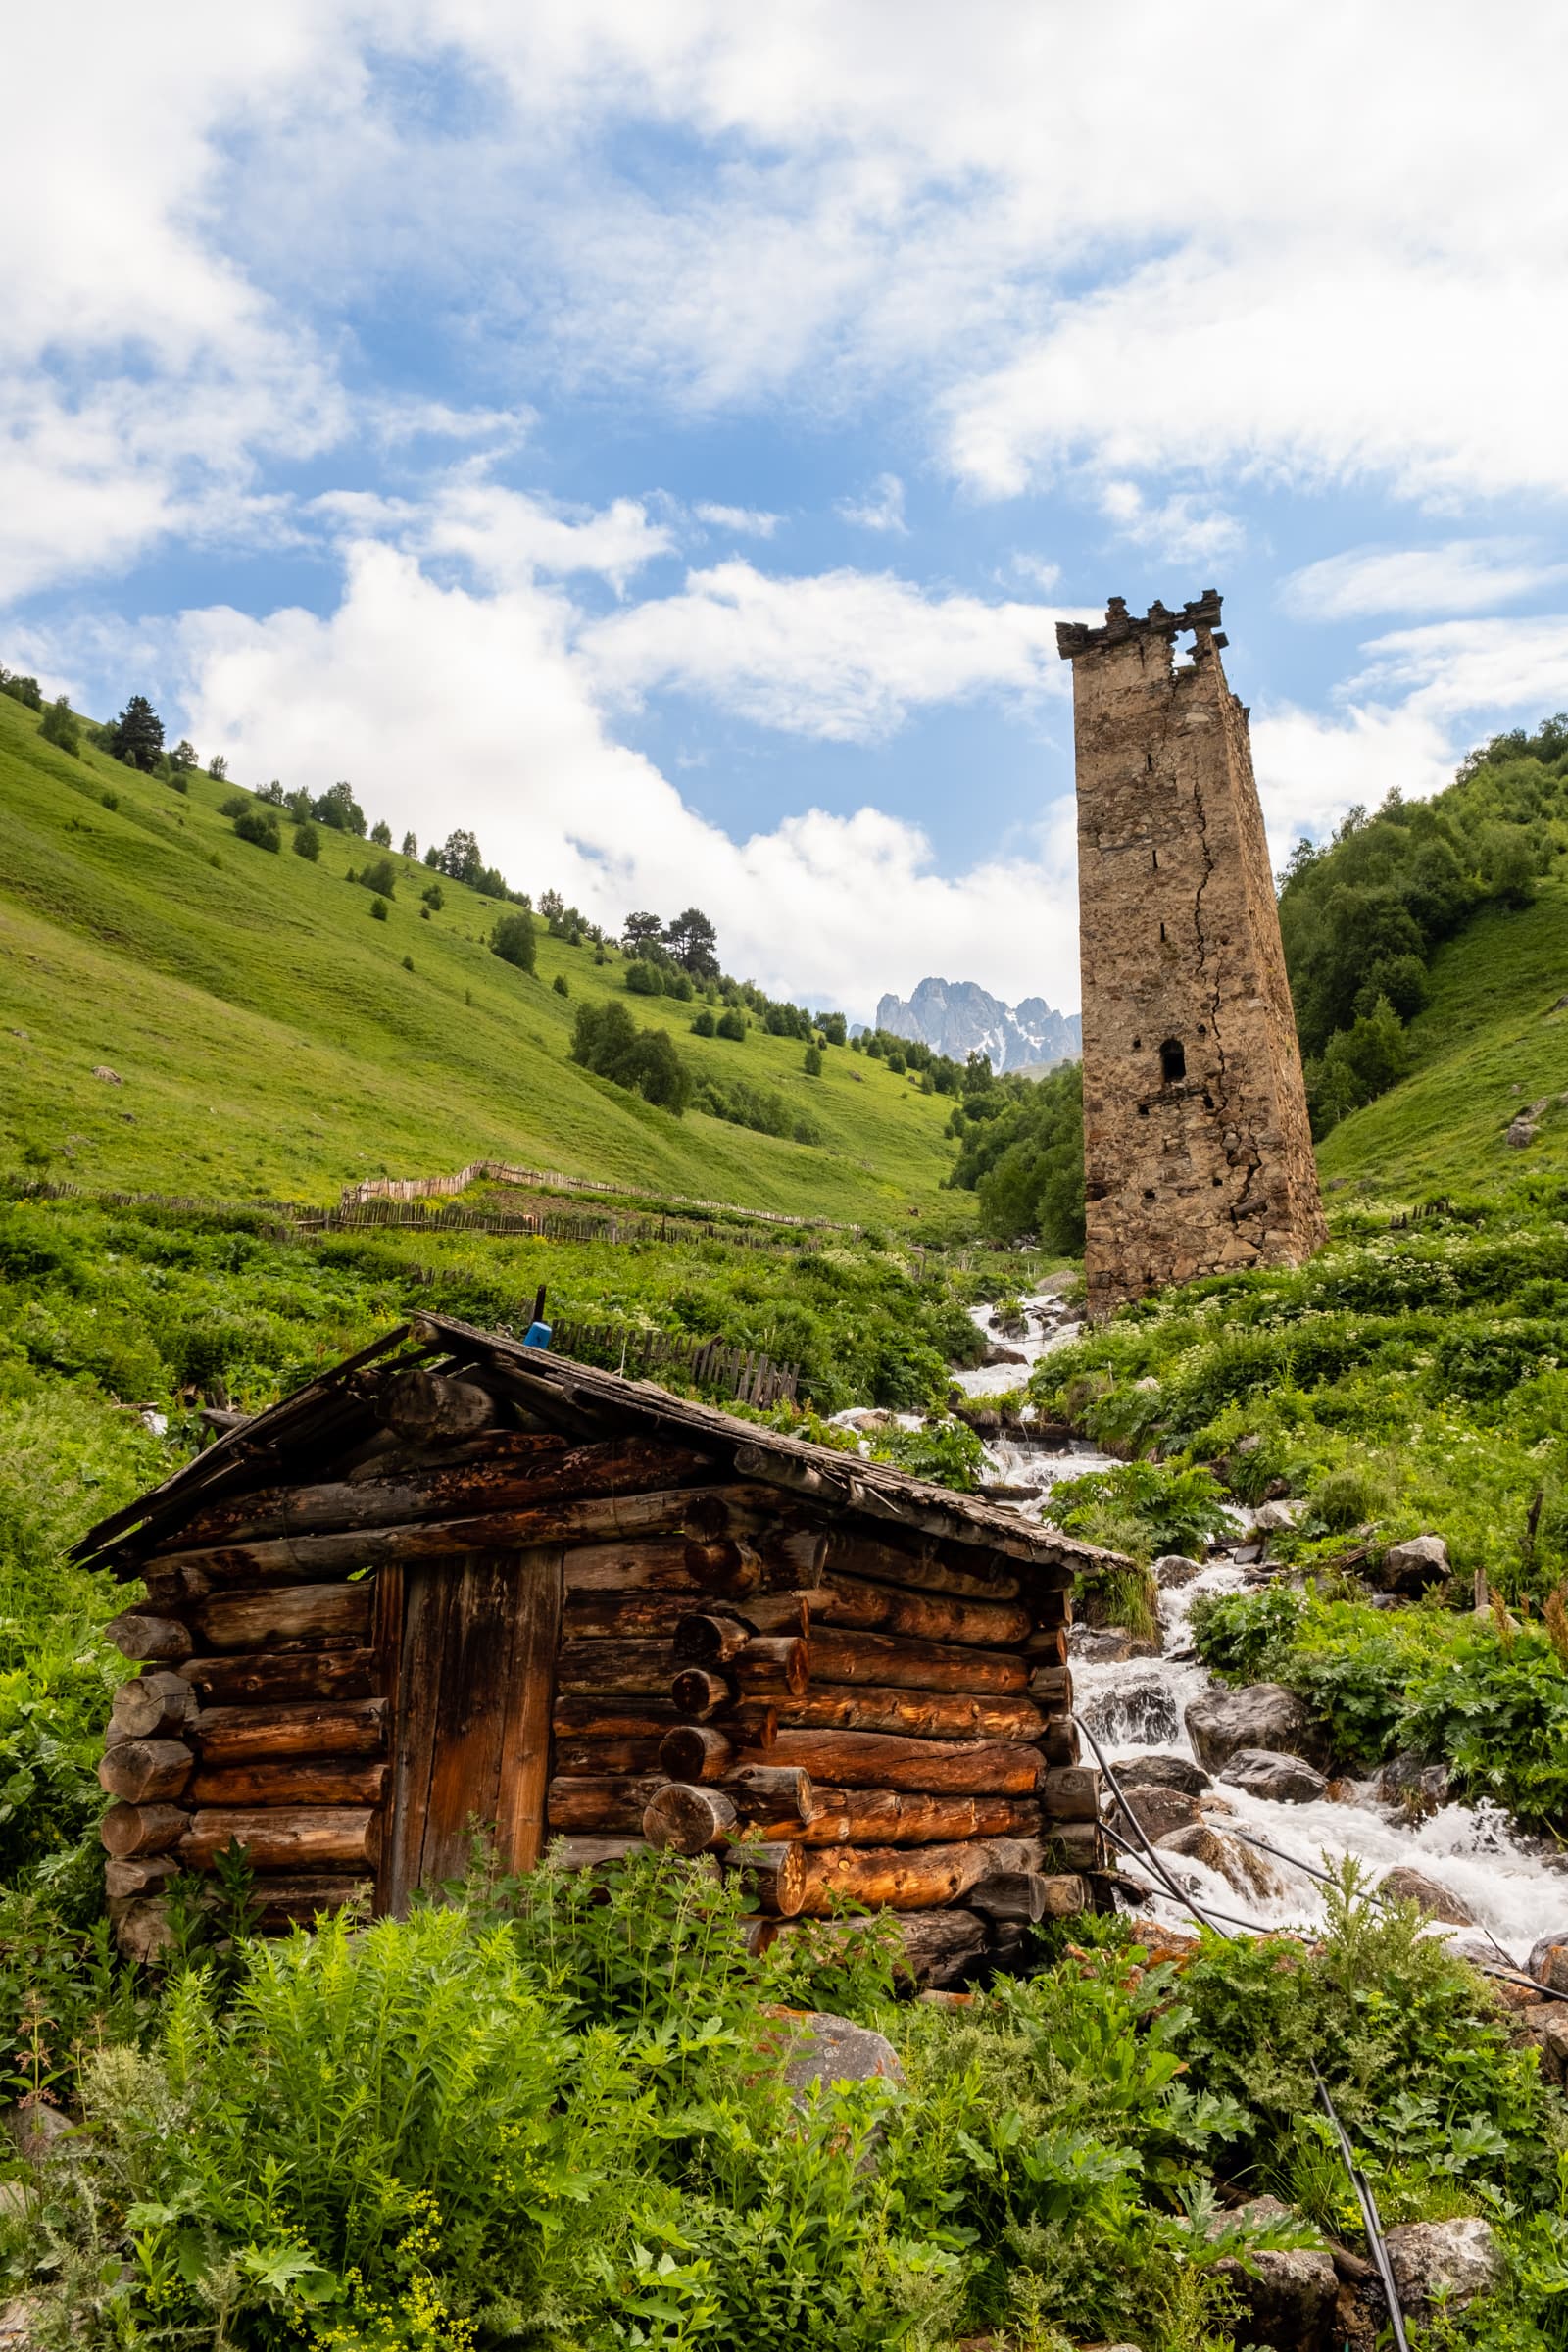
pixel 1407 718
pixel 1034 568
pixel 1461 576
pixel 1179 529
pixel 844 655
pixel 409 680
pixel 880 510
pixel 751 522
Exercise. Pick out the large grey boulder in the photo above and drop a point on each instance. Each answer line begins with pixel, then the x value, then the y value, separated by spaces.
pixel 1283 1779
pixel 1264 1715
pixel 1159 1771
pixel 823 2049
pixel 1406 1886
pixel 1287 2292
pixel 1415 1786
pixel 1443 2261
pixel 1411 1568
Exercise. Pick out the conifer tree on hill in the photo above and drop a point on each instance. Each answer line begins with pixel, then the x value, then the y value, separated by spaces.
pixel 136 736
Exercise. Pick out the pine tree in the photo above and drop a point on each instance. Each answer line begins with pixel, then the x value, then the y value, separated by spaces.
pixel 137 735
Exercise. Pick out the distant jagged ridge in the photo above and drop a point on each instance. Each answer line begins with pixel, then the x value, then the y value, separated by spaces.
pixel 960 1018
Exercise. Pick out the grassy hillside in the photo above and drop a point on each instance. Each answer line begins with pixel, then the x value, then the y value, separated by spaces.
pixel 1488 1045
pixel 270 1041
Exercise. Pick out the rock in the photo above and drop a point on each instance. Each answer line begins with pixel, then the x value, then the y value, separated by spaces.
pixel 1272 1516
pixel 35 2128
pixel 1265 1715
pixel 1199 1842
pixel 18 2321
pixel 1108 1644
pixel 1157 1811
pixel 1003 1356
pixel 1549 1961
pixel 108 1076
pixel 1414 1566
pixel 1406 1886
pixel 1415 1786
pixel 1290 2299
pixel 1520 1132
pixel 824 2049
pixel 1546 2025
pixel 1175 1568
pixel 1162 1772
pixel 1283 1779
pixel 1436 2260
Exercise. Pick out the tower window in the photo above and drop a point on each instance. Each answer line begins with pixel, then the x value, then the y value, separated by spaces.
pixel 1172 1060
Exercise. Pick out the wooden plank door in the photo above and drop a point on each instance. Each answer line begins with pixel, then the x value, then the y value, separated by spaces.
pixel 472 1672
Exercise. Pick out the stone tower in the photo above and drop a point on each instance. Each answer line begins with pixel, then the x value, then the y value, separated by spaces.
pixel 1197 1148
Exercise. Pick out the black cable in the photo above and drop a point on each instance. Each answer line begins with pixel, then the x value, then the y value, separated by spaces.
pixel 1508 1974
pixel 1371 2221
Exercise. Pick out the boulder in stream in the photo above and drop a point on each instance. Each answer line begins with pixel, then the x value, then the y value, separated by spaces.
pixel 1435 2261
pixel 1281 1780
pixel 1163 1772
pixel 1406 1886
pixel 1157 1811
pixel 1264 1715
pixel 1413 1784
pixel 1108 1644
pixel 1549 1961
pixel 1175 1568
pixel 1241 1866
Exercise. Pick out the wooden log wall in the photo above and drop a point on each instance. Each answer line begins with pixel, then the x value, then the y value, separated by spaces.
pixel 831 1707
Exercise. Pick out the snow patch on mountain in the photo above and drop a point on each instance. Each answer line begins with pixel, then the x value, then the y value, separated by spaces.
pixel 960 1018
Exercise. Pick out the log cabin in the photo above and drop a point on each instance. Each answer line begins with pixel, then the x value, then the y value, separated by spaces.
pixel 456 1579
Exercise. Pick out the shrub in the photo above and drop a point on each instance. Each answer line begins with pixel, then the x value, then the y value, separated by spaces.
pixel 758 1108
pixel 513 940
pixel 946 1453
pixel 703 1024
pixel 25 691
pixel 608 1041
pixel 382 876
pixel 260 827
pixel 1350 1496
pixel 307 841
pixel 813 1062
pixel 59 727
pixel 235 805
pixel 408 964
pixel 434 897
pixel 731 1024
pixel 1141 1508
pixel 558 984
pixel 644 979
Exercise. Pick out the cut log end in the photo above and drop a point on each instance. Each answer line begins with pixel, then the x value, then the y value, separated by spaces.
pixel 687 1818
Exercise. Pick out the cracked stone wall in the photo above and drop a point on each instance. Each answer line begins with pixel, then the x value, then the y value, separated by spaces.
pixel 1198 1152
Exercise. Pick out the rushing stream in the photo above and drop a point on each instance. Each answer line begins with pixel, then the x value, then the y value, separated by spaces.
pixel 1136 1708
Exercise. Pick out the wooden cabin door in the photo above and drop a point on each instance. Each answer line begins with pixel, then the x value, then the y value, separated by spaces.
pixel 470 1642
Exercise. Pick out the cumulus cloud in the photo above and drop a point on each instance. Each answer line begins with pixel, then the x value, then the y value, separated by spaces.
pixel 751 522
pixel 843 655
pixel 880 510
pixel 1461 575
pixel 1179 529
pixel 411 679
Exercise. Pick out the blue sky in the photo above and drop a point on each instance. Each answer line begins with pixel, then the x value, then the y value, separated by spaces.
pixel 664 436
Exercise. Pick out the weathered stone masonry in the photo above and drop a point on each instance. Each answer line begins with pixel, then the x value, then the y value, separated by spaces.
pixel 1198 1152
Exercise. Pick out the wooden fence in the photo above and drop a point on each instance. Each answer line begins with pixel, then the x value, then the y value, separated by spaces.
pixel 744 1373
pixel 550 1180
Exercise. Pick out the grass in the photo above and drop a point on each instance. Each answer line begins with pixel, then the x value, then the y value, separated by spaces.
pixel 271 1042
pixel 1488 1045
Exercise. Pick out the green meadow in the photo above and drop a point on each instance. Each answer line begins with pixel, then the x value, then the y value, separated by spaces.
pixel 273 1043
